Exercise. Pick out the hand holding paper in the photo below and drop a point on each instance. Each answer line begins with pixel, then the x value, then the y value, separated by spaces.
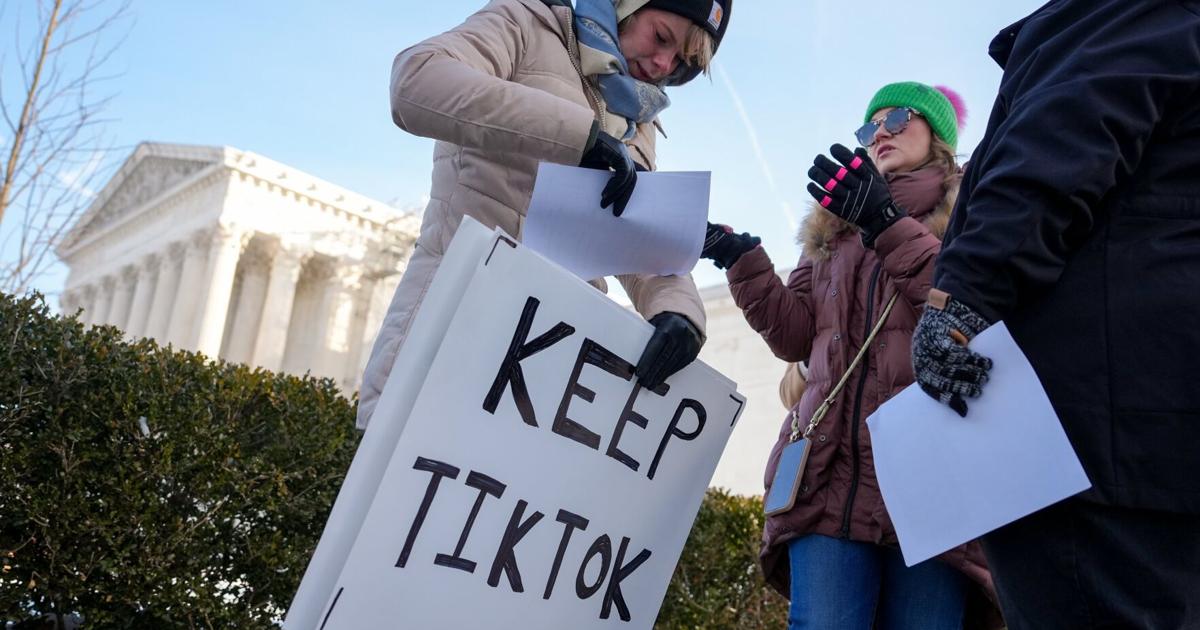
pixel 660 231
pixel 947 480
pixel 608 152
pixel 945 367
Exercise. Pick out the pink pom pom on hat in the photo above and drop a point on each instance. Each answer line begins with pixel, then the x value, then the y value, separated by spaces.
pixel 956 101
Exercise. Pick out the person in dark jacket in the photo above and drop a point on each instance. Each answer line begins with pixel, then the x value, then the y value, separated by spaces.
pixel 1078 225
pixel 873 233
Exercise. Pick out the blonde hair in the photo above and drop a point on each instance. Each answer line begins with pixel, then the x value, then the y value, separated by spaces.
pixel 698 48
pixel 942 154
pixel 698 45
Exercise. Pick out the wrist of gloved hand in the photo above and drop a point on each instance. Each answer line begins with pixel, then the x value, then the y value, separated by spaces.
pixel 946 369
pixel 724 247
pixel 675 343
pixel 877 223
pixel 593 133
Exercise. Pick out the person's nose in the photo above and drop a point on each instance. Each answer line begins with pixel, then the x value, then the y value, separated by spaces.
pixel 880 134
pixel 664 63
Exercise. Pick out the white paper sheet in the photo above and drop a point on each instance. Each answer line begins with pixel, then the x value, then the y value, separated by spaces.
pixel 947 480
pixel 661 231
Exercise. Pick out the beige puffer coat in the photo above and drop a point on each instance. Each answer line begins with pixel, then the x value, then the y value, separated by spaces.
pixel 499 93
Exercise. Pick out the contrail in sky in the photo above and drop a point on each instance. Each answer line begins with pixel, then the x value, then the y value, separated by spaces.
pixel 765 166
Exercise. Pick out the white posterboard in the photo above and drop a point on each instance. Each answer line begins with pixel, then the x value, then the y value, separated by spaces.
pixel 948 480
pixel 533 485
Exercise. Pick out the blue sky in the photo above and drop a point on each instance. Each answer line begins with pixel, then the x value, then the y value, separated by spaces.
pixel 305 82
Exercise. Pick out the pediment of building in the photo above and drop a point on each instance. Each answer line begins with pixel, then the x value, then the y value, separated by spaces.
pixel 149 173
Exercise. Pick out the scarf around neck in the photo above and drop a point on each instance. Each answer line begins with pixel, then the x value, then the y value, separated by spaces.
pixel 601 59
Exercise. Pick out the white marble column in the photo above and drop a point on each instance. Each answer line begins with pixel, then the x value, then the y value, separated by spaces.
pixel 122 296
pixel 139 310
pixel 339 322
pixel 165 288
pixel 104 291
pixel 377 298
pixel 183 312
pixel 223 254
pixel 87 302
pixel 68 301
pixel 271 340
pixel 255 271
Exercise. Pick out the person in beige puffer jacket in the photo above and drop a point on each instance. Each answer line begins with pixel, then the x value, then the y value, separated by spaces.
pixel 524 81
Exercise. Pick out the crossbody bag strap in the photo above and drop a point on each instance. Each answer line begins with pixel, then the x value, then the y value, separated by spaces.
pixel 819 414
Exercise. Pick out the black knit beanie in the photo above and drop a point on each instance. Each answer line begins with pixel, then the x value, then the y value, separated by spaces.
pixel 710 15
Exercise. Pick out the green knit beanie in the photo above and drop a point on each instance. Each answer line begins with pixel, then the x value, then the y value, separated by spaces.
pixel 935 104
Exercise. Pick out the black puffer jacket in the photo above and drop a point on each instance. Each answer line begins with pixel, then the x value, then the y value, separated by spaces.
pixel 1078 223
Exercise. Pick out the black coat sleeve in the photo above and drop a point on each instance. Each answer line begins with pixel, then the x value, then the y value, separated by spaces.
pixel 1084 89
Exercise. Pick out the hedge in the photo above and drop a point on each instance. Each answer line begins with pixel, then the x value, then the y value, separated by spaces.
pixel 718 584
pixel 144 487
pixel 149 488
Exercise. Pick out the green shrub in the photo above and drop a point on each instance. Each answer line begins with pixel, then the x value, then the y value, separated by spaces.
pixel 718 584
pixel 142 487
pixel 147 488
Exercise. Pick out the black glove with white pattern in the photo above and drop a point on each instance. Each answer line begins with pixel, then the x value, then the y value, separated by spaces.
pixel 855 191
pixel 945 367
pixel 724 247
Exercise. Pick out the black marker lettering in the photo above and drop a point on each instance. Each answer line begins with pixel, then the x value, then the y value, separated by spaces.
pixel 686 403
pixel 603 548
pixel 510 368
pixel 627 415
pixel 506 560
pixel 439 470
pixel 486 485
pixel 595 354
pixel 572 522
pixel 620 572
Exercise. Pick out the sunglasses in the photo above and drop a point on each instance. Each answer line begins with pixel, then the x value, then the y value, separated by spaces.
pixel 895 122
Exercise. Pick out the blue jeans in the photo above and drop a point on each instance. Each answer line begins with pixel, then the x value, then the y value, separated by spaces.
pixel 840 584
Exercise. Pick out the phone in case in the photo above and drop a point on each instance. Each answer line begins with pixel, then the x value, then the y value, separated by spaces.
pixel 788 473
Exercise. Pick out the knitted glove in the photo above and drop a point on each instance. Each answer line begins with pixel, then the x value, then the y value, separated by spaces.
pixel 674 345
pixel 855 191
pixel 605 152
pixel 944 366
pixel 723 247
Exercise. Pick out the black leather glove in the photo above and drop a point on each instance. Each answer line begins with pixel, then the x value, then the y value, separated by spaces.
pixel 606 152
pixel 944 366
pixel 674 345
pixel 723 247
pixel 855 191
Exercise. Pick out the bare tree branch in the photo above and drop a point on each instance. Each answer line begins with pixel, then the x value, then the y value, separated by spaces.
pixel 56 152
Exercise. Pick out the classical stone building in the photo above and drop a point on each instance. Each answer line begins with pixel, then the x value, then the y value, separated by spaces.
pixel 232 254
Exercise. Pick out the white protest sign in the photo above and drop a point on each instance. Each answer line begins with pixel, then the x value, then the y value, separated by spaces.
pixel 534 484
pixel 471 244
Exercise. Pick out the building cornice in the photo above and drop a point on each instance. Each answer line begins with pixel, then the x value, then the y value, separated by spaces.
pixel 364 212
pixel 346 204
